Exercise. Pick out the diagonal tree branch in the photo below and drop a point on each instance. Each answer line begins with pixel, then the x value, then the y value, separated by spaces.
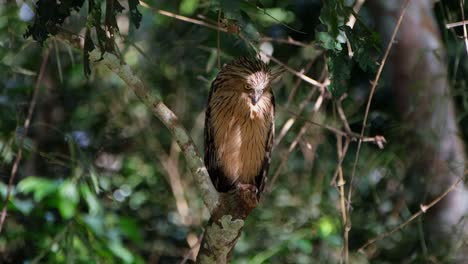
pixel 169 119
pixel 371 95
pixel 228 210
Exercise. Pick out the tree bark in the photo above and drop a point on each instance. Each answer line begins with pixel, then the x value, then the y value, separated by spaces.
pixel 225 226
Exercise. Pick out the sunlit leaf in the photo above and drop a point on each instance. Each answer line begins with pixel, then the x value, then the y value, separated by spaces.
pixel 39 187
pixel 188 7
pixel 69 198
pixel 120 251
pixel 91 200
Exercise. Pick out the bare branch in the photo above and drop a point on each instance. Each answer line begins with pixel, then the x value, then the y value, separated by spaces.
pixel 288 40
pixel 341 189
pixel 371 95
pixel 26 125
pixel 304 77
pixel 423 209
pixel 465 34
pixel 294 89
pixel 290 122
pixel 456 24
pixel 352 19
pixel 169 119
pixel 184 18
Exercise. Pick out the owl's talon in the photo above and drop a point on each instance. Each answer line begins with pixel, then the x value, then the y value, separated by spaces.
pixel 247 187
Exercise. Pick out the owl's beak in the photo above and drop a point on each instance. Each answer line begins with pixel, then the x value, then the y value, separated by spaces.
pixel 255 96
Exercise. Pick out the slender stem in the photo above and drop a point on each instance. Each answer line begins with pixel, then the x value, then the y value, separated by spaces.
pixel 27 123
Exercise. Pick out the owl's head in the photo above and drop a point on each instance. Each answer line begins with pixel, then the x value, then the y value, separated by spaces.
pixel 248 76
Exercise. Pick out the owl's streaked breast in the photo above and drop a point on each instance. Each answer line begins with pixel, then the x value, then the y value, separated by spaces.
pixel 240 131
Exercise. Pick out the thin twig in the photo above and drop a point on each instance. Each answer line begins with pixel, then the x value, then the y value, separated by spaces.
pixel 465 34
pixel 192 253
pixel 173 177
pixel 350 49
pixel 378 140
pixel 352 19
pixel 341 190
pixel 293 91
pixel 341 113
pixel 340 162
pixel 299 74
pixel 293 145
pixel 290 122
pixel 369 101
pixel 183 18
pixel 285 157
pixel 274 18
pixel 26 125
pixel 341 182
pixel 423 209
pixel 55 240
pixel 456 24
pixel 288 40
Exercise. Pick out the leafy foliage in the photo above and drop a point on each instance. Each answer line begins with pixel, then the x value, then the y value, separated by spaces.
pixel 49 15
pixel 363 42
pixel 339 66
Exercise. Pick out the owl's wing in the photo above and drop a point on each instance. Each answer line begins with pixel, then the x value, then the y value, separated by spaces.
pixel 219 180
pixel 261 178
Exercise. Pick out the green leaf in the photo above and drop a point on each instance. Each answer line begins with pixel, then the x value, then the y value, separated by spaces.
pixel 94 178
pixel 276 15
pixel 328 42
pixel 40 187
pixel 333 16
pixel 68 201
pixel 135 15
pixel 365 45
pixel 130 229
pixel 305 245
pixel 3 189
pixel 120 251
pixel 188 7
pixel 340 71
pixel 95 223
pixel 326 227
pixel 68 191
pixel 50 14
pixel 91 200
pixel 24 206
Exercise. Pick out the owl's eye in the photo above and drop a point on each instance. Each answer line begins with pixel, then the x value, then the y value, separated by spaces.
pixel 247 87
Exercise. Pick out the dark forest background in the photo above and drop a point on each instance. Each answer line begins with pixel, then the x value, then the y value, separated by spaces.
pixel 101 180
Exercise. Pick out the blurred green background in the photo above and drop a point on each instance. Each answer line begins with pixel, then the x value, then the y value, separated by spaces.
pixel 102 180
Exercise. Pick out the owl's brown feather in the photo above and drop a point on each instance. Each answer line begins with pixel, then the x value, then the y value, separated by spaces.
pixel 239 130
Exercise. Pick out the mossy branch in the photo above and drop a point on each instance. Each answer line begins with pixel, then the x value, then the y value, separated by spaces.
pixel 169 119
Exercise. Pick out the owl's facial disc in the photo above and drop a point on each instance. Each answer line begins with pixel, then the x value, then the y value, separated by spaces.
pixel 255 95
